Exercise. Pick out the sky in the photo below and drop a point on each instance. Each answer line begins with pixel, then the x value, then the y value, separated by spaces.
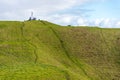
pixel 103 13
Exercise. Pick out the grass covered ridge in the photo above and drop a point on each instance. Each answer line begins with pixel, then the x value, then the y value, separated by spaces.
pixel 40 50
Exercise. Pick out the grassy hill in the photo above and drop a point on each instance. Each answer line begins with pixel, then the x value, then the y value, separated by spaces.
pixel 40 50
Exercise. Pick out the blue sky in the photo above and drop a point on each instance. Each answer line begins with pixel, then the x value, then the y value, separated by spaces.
pixel 103 13
pixel 106 9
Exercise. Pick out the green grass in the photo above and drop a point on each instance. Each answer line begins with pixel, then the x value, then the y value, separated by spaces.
pixel 40 50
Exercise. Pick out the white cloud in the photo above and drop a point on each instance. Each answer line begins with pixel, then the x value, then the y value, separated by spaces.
pixel 64 19
pixel 118 24
pixel 75 20
pixel 107 22
pixel 21 8
pixel 97 21
pixel 49 10
pixel 82 22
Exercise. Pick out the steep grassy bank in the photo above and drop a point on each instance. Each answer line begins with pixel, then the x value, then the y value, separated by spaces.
pixel 39 50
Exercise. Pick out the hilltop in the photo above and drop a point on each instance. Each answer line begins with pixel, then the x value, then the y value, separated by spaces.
pixel 40 50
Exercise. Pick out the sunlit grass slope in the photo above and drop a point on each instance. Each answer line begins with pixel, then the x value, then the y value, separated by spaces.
pixel 40 50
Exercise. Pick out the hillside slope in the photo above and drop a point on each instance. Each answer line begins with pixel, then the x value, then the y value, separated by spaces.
pixel 40 50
